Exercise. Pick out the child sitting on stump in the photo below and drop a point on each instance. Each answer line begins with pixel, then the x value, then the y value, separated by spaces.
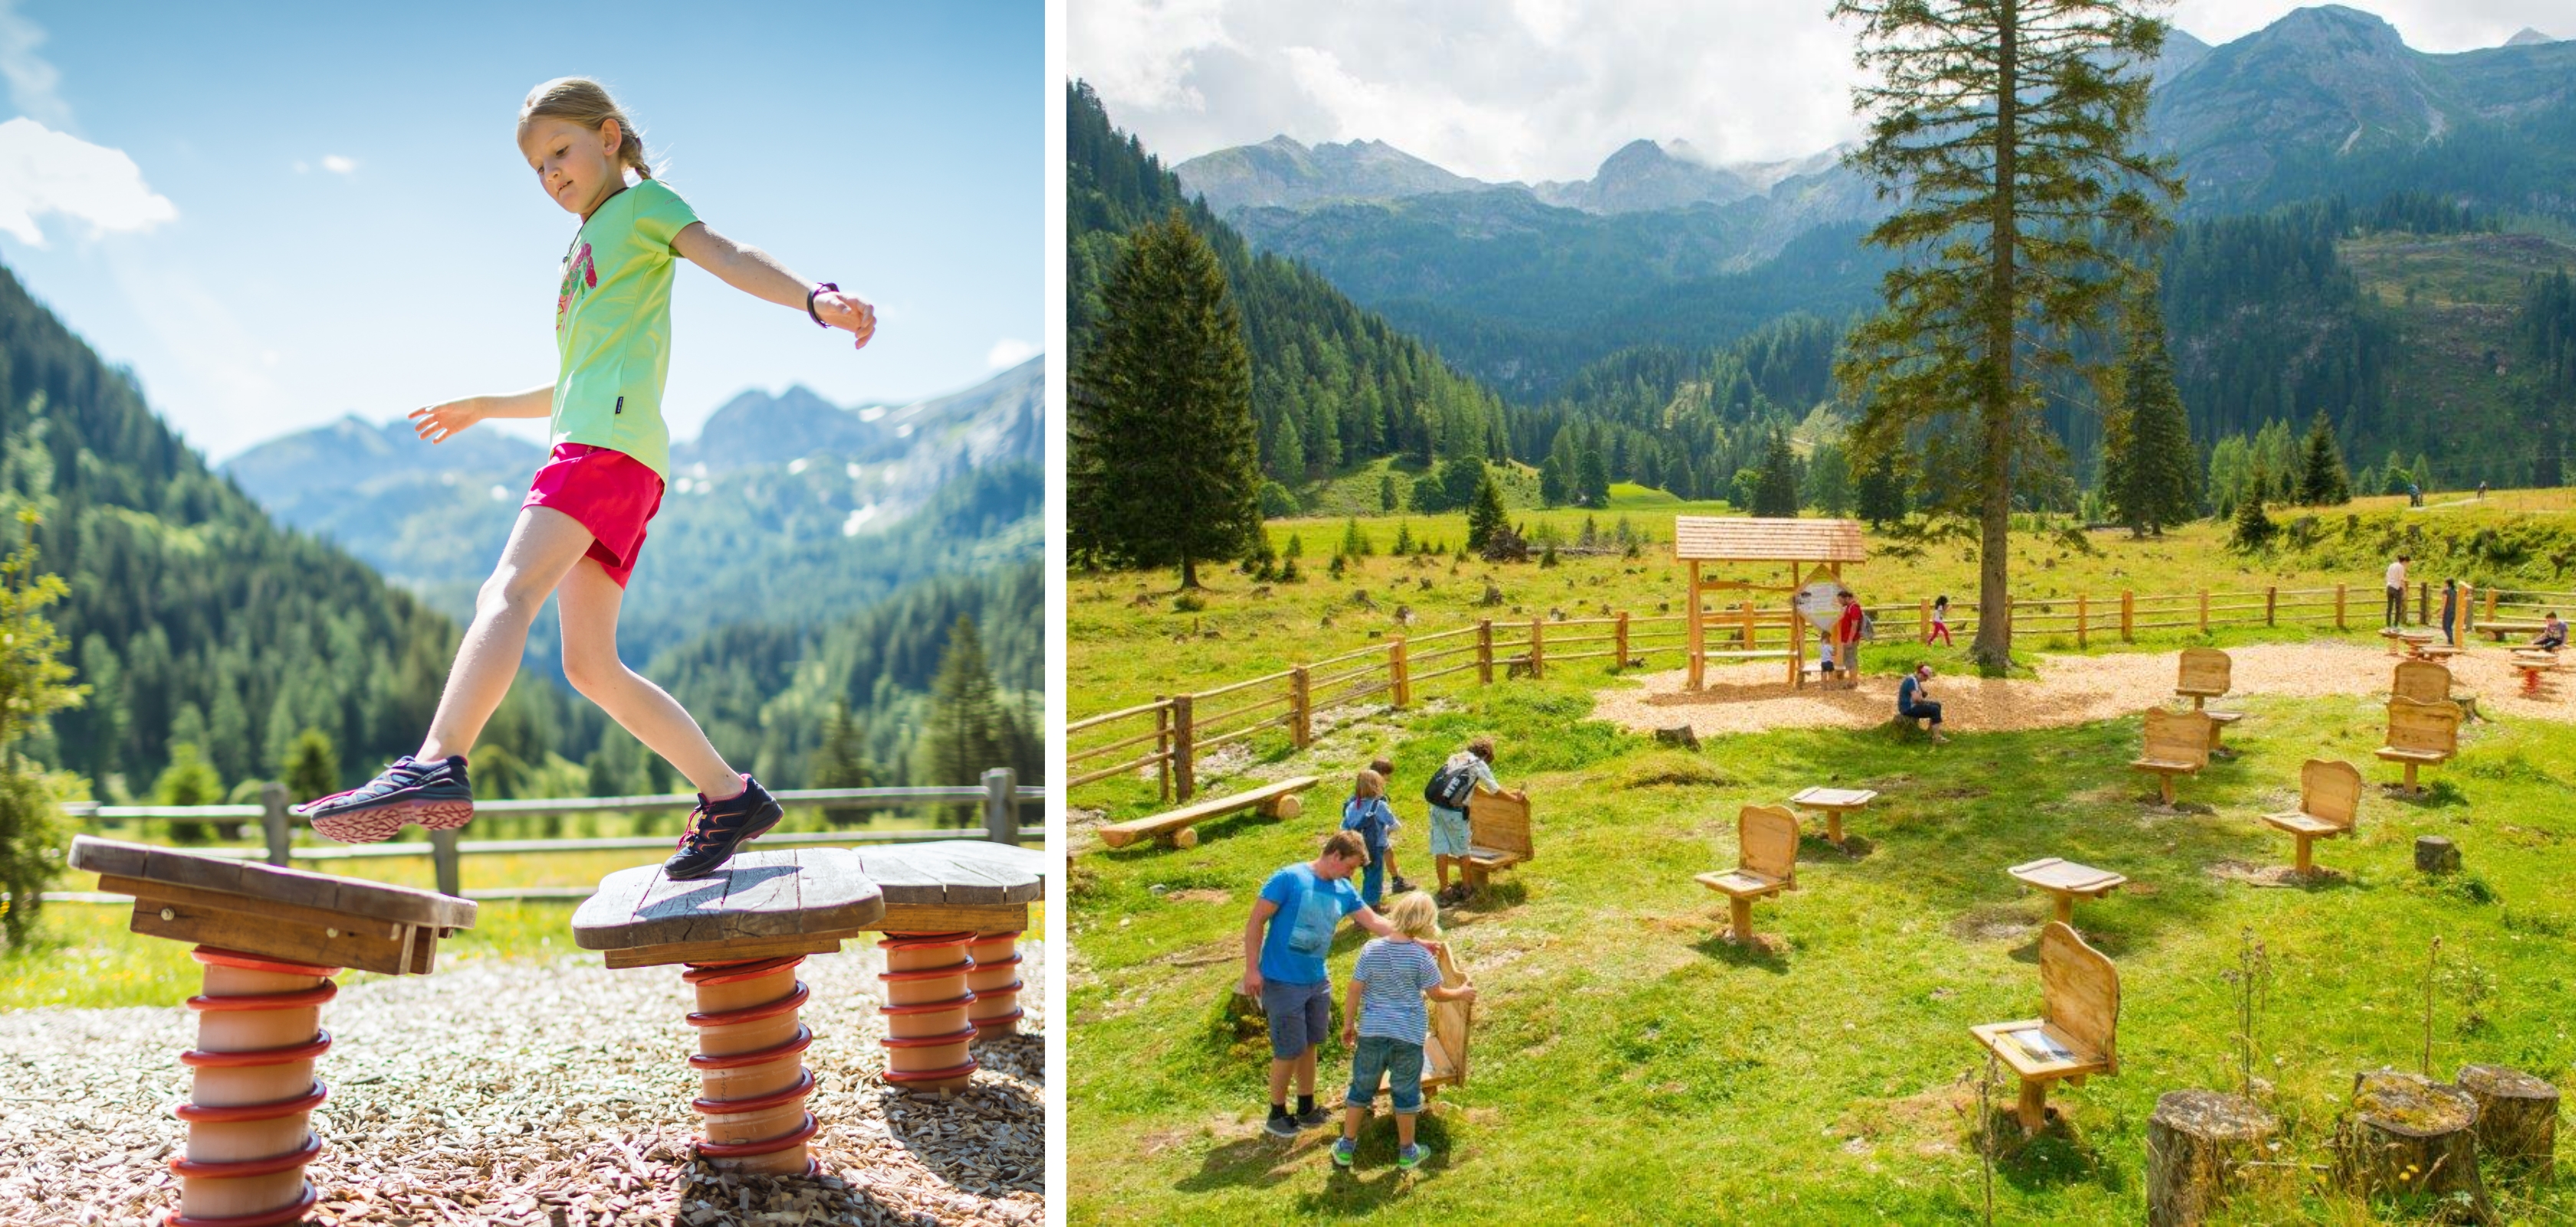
pixel 1384 1022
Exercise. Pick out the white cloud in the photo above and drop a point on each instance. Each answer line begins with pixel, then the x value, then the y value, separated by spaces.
pixel 43 171
pixel 1009 351
pixel 1143 49
pixel 32 80
pixel 337 165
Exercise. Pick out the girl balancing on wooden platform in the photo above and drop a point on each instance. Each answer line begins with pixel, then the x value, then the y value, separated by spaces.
pixel 583 521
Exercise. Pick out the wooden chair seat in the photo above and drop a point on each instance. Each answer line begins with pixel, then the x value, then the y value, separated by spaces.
pixel 2167 765
pixel 2395 755
pixel 2309 825
pixel 1737 884
pixel 2223 717
pixel 1493 858
pixel 2037 1066
pixel 1498 835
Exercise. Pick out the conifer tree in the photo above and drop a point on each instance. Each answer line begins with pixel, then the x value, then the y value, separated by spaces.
pixel 2322 482
pixel 2147 458
pixel 968 732
pixel 841 761
pixel 1485 517
pixel 1880 497
pixel 2004 128
pixel 1162 465
pixel 312 767
pixel 2254 529
pixel 34 682
pixel 1776 492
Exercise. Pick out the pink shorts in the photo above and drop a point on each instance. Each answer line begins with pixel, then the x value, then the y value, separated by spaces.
pixel 611 493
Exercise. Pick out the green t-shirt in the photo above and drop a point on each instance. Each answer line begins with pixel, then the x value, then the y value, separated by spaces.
pixel 613 325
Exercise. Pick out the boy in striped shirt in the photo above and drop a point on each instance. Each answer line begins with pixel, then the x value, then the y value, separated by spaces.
pixel 1384 1022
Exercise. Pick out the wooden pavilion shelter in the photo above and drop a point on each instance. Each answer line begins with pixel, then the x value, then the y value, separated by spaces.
pixel 1796 544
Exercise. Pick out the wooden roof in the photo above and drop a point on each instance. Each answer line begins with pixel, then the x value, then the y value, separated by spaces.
pixel 1756 539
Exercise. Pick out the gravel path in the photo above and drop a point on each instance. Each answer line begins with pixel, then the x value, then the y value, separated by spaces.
pixel 532 1095
pixel 1748 698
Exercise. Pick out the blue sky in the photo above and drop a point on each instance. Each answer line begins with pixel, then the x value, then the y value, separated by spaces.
pixel 324 212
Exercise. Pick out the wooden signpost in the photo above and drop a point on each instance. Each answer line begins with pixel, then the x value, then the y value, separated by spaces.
pixel 271 940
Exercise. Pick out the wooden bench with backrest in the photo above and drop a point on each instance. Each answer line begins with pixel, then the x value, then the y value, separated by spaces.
pixel 2177 743
pixel 2329 801
pixel 2205 674
pixel 1444 1049
pixel 2077 1032
pixel 2420 735
pixel 1171 828
pixel 1766 838
pixel 2424 681
pixel 1498 835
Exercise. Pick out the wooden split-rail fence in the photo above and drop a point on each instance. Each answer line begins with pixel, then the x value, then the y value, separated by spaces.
pixel 999 799
pixel 1173 735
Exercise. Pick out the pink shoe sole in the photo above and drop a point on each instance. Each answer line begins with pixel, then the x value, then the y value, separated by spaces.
pixel 374 826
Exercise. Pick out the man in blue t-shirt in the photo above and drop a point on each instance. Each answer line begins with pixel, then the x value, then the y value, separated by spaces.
pixel 1284 946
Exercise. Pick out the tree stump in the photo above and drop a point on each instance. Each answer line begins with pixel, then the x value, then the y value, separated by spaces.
pixel 2195 1141
pixel 2409 1135
pixel 1678 735
pixel 2517 1117
pixel 2436 854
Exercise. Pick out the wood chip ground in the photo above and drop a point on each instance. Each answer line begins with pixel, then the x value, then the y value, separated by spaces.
pixel 520 1094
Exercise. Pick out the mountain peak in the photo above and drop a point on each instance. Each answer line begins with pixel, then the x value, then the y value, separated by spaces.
pixel 2528 37
pixel 2335 21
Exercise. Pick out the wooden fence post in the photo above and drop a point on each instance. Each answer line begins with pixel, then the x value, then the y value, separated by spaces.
pixel 1301 707
pixel 1163 748
pixel 1184 772
pixel 2424 603
pixel 1538 648
pixel 1697 646
pixel 1001 807
pixel 2128 616
pixel 2468 609
pixel 2491 603
pixel 1748 630
pixel 2204 611
pixel 1399 679
pixel 1485 651
pixel 2079 619
pixel 273 821
pixel 2339 623
pixel 2271 605
pixel 1619 643
pixel 1923 620
pixel 442 859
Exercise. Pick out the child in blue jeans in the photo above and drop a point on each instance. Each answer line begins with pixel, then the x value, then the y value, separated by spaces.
pixel 1384 1022
pixel 1368 813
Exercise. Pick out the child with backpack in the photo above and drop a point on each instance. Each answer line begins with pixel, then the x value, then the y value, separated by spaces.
pixel 1385 769
pixel 1384 1022
pixel 1448 793
pixel 1368 814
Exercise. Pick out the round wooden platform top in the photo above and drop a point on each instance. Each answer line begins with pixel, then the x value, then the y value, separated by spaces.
pixel 755 895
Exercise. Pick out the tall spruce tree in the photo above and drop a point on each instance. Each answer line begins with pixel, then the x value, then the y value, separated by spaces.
pixel 2004 130
pixel 34 682
pixel 841 761
pixel 1162 466
pixel 2322 481
pixel 1485 516
pixel 969 731
pixel 1880 496
pixel 2147 458
pixel 1776 494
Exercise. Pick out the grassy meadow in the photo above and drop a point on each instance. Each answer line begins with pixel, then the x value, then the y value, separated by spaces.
pixel 1630 1066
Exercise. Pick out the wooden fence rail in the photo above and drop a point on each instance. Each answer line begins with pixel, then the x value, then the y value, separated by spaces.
pixel 1000 796
pixel 1397 668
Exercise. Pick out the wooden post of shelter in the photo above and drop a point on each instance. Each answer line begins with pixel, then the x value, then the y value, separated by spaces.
pixel 1399 679
pixel 1184 772
pixel 1797 543
pixel 1485 650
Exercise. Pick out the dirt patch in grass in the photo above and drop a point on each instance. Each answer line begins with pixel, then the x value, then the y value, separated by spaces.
pixel 1993 922
pixel 2281 876
pixel 1198 895
pixel 1927 1123
pixel 2067 690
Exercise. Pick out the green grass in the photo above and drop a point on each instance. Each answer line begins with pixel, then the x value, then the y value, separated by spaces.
pixel 1630 1067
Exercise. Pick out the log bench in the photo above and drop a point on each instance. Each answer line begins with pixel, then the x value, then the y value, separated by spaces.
pixel 1498 836
pixel 744 928
pixel 1766 838
pixel 271 941
pixel 2177 743
pixel 2420 735
pixel 1834 803
pixel 2329 803
pixel 1172 828
pixel 2076 1034
pixel 2204 674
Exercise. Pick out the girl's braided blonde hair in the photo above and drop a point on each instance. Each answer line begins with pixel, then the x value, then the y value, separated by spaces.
pixel 587 102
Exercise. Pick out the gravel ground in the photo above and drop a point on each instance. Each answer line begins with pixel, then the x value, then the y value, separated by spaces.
pixel 532 1095
pixel 1750 697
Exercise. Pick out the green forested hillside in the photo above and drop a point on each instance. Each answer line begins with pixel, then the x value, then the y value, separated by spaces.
pixel 1332 384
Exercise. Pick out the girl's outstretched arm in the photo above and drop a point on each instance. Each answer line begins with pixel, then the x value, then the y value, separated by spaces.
pixel 439 423
pixel 757 273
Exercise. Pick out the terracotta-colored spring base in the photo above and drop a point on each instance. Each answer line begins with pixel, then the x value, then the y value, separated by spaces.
pixel 927 1030
pixel 751 1070
pixel 253 1094
pixel 996 984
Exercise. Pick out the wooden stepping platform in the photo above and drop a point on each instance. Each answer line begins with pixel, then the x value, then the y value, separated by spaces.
pixel 761 904
pixel 1172 827
pixel 2065 881
pixel 291 914
pixel 1835 802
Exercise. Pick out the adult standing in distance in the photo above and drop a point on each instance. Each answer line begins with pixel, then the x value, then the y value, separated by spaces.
pixel 1285 943
pixel 1847 638
pixel 2396 615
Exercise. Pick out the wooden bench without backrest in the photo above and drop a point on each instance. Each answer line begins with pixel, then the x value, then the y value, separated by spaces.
pixel 1172 827
pixel 2205 674
pixel 2420 735
pixel 2499 630
pixel 1498 835
pixel 2076 1034
pixel 2329 801
pixel 1766 838
pixel 1444 1050
pixel 2177 743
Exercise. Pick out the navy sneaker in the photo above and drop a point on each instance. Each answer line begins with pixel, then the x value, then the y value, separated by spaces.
pixel 717 829
pixel 435 795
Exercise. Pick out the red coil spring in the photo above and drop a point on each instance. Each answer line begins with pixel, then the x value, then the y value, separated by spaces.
pixel 250 1059
pixel 729 973
pixel 965 963
pixel 1011 990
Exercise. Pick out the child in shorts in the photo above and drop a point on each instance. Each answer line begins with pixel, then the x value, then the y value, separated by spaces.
pixel 1384 1022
